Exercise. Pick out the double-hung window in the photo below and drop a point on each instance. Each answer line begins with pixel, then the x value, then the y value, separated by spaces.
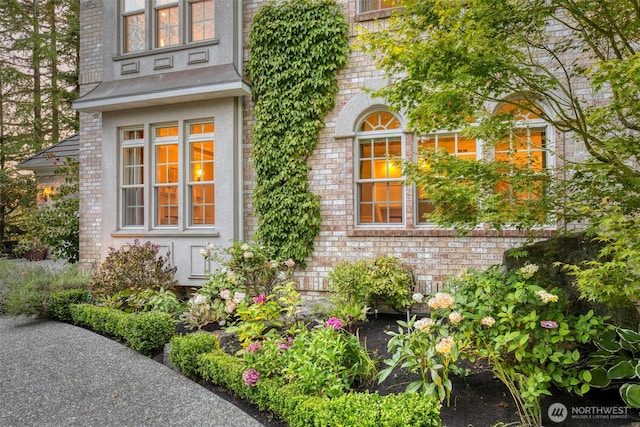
pixel 178 190
pixel 157 24
pixel 379 184
pixel 375 5
pixel 134 23
pixel 201 173
pixel 132 177
pixel 455 144
pixel 166 186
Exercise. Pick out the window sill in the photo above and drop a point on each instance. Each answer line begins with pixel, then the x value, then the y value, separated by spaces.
pixel 160 51
pixel 441 232
pixel 375 14
pixel 174 233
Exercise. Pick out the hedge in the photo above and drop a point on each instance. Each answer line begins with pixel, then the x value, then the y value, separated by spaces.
pixel 297 410
pixel 145 332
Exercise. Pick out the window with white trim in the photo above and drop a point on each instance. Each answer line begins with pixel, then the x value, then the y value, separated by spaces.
pixel 157 24
pixel 526 146
pixel 379 183
pixel 455 144
pixel 375 5
pixel 166 175
pixel 201 173
pixel 132 177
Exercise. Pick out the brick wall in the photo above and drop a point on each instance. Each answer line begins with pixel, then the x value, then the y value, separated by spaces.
pixel 90 135
pixel 432 254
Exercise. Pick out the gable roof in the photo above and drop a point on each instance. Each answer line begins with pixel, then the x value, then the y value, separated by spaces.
pixel 54 156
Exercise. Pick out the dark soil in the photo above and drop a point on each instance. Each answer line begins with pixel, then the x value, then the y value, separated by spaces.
pixel 478 400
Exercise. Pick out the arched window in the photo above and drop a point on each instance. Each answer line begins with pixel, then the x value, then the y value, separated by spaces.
pixel 379 184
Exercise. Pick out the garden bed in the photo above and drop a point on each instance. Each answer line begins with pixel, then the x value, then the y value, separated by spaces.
pixel 478 400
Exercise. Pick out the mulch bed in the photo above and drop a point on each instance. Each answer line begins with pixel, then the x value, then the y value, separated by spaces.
pixel 478 400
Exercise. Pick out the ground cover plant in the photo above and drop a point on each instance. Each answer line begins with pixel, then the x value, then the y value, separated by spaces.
pixel 28 289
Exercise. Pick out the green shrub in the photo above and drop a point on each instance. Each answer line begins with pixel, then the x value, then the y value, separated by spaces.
pixel 299 410
pixel 381 281
pixel 327 362
pixel 148 332
pixel 186 349
pixel 133 266
pixel 61 301
pixel 144 332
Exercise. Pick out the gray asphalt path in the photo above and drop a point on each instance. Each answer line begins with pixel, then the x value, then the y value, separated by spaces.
pixel 55 374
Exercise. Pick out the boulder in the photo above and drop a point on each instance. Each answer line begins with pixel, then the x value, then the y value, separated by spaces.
pixel 569 249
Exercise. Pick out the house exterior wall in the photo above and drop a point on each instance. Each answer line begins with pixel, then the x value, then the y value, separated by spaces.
pixel 117 93
pixel 432 253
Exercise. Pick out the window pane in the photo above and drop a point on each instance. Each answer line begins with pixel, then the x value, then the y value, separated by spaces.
pixel 372 5
pixel 167 26
pixel 202 20
pixel 134 33
pixel 133 168
pixel 167 163
pixel 203 204
pixel 166 131
pixel 167 199
pixel 133 206
pixel 131 5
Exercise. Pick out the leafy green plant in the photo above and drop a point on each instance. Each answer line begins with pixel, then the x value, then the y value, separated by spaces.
pixel 133 266
pixel 423 347
pixel 616 363
pixel 614 277
pixel 145 332
pixel 266 315
pixel 524 331
pixel 532 342
pixel 57 226
pixel 248 266
pixel 297 48
pixel 381 281
pixel 327 361
pixel 301 410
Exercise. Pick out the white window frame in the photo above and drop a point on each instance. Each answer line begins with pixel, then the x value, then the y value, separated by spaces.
pixel 369 137
pixel 132 144
pixel 149 10
pixel 456 134
pixel 191 138
pixel 155 142
pixel 375 5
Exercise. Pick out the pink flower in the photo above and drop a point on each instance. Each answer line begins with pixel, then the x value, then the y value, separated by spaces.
pixel 229 307
pixel 260 299
pixel 549 324
pixel 225 294
pixel 251 377
pixel 334 323
pixel 282 346
pixel 289 263
pixel 254 347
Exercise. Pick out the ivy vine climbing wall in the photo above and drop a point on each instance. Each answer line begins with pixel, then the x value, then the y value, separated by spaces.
pixel 296 49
